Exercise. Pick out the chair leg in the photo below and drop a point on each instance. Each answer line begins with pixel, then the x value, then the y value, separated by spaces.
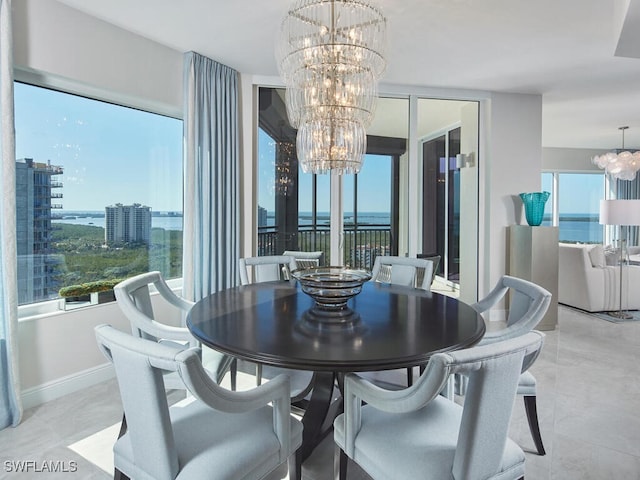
pixel 118 475
pixel 258 374
pixel 340 462
pixel 295 465
pixel 409 376
pixel 233 372
pixel 449 389
pixel 123 426
pixel 532 417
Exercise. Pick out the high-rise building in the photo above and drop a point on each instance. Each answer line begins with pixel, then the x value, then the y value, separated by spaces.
pixel 35 198
pixel 262 216
pixel 127 223
pixel 365 255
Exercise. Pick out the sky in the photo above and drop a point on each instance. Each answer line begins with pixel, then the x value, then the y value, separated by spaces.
pixel 105 150
pixel 580 193
pixel 374 183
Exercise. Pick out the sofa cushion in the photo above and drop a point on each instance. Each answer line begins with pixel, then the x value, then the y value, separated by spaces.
pixel 596 254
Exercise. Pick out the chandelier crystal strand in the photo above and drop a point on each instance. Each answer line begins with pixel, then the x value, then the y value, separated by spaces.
pixel 622 164
pixel 331 145
pixel 330 55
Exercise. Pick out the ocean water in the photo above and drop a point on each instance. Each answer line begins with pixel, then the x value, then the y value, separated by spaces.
pixel 305 218
pixel 577 227
pixel 97 219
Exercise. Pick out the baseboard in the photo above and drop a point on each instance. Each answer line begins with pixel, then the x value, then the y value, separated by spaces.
pixel 46 392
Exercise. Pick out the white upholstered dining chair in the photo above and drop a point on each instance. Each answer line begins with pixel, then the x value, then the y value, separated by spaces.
pixel 133 296
pixel 219 434
pixel 268 268
pixel 403 271
pixel 528 303
pixel 305 259
pixel 418 433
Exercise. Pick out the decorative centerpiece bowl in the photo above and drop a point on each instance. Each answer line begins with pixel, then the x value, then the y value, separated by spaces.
pixel 331 287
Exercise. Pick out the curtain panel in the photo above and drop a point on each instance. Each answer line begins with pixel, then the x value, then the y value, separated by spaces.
pixel 10 405
pixel 211 183
pixel 630 190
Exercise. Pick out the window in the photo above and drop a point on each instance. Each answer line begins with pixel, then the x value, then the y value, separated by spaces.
pixel 98 192
pixel 579 196
pixel 294 208
pixel 547 186
pixel 367 207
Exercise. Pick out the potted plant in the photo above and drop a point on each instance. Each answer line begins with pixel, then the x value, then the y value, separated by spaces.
pixel 90 293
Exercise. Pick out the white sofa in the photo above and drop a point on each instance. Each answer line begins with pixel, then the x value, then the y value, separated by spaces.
pixel 586 281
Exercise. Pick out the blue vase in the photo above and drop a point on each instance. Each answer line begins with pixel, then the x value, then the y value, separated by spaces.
pixel 534 206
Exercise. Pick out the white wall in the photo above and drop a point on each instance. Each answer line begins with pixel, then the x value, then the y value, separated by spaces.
pixel 513 159
pixel 70 49
pixel 58 352
pixel 469 204
pixel 55 348
pixel 570 159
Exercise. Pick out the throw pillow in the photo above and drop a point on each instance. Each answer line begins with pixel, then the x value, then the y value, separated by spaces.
pixel 596 254
pixel 612 257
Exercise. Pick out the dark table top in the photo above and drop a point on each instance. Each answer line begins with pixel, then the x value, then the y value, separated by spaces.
pixel 391 327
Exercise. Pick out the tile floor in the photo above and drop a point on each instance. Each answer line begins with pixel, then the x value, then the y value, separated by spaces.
pixel 588 401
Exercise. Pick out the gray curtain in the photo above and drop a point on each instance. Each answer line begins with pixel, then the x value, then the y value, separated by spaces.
pixel 211 183
pixel 630 190
pixel 10 406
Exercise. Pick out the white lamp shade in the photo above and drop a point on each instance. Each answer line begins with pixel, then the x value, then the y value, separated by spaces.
pixel 620 212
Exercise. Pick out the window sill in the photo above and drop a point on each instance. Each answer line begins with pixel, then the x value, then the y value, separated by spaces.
pixel 51 308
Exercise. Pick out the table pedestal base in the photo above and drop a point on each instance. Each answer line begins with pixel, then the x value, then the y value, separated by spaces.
pixel 320 411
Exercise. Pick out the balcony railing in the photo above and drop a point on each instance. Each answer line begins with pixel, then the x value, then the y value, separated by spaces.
pixel 362 243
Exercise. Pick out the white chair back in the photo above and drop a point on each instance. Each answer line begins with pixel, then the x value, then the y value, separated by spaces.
pixel 268 268
pixel 133 296
pixel 468 444
pixel 528 303
pixel 233 434
pixel 403 271
pixel 305 259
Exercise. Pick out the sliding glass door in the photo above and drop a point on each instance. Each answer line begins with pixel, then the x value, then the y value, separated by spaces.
pixel 441 201
pixel 448 192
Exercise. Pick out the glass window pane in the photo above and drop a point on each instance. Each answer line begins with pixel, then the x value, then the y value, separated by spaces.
pixel 266 194
pixel 547 186
pixel 579 196
pixel 367 211
pixel 98 192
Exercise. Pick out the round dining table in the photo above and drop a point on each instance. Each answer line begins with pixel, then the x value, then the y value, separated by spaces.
pixel 383 327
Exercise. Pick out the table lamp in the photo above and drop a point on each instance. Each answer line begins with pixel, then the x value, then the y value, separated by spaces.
pixel 621 213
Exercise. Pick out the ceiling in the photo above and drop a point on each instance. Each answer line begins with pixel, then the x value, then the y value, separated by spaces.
pixel 583 56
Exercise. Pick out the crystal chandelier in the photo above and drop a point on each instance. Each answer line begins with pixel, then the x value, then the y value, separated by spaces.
pixel 330 56
pixel 621 164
